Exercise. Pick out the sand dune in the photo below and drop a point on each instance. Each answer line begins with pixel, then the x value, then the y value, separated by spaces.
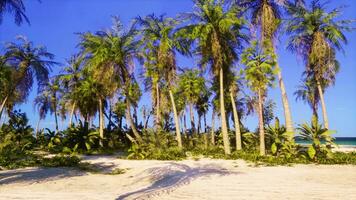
pixel 188 179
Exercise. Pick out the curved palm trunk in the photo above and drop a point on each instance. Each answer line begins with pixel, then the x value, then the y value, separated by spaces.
pixel 236 122
pixel 223 115
pixel 285 102
pixel 323 105
pixel 3 105
pixel 130 121
pixel 213 128
pixel 101 122
pixel 71 115
pixel 261 125
pixel 176 120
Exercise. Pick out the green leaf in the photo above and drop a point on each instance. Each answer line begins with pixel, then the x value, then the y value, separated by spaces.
pixel 311 152
pixel 274 148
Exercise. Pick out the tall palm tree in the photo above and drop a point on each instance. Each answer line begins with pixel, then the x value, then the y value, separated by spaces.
pixel 266 14
pixel 259 74
pixel 47 100
pixel 316 35
pixel 70 78
pixel 159 50
pixel 15 7
pixel 29 62
pixel 111 56
pixel 216 30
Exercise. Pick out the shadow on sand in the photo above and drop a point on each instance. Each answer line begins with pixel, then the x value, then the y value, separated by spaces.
pixel 35 175
pixel 168 178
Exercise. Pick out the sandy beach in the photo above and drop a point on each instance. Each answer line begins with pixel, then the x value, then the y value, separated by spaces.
pixel 188 179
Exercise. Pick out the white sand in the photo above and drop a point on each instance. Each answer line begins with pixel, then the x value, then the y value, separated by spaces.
pixel 203 179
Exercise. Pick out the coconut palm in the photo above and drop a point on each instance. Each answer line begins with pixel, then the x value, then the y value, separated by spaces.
pixel 260 74
pixel 70 78
pixel 316 35
pixel 191 86
pixel 47 100
pixel 216 31
pixel 307 91
pixel 14 7
pixel 266 14
pixel 159 50
pixel 110 62
pixel 29 62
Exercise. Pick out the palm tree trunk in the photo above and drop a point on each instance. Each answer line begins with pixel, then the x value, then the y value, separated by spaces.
pixel 199 124
pixel 37 127
pixel 237 123
pixel 3 105
pixel 285 102
pixel 261 124
pixel 192 121
pixel 56 119
pixel 205 132
pixel 176 120
pixel 213 128
pixel 71 115
pixel 158 111
pixel 185 122
pixel 131 123
pixel 101 122
pixel 323 105
pixel 223 115
pixel 286 107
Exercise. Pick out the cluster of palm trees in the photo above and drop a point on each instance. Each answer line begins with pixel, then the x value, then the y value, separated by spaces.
pixel 233 42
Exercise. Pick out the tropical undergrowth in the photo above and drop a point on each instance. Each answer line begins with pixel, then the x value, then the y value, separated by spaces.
pixel 20 148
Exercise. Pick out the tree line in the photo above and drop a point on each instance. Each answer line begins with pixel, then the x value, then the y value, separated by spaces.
pixel 233 42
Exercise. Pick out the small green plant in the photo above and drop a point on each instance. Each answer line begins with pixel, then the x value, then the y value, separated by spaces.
pixel 279 140
pixel 317 135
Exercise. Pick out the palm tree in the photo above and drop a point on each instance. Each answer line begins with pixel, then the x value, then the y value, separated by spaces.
pixel 316 35
pixel 159 47
pixel 308 93
pixel 29 62
pixel 111 56
pixel 266 14
pixel 192 87
pixel 15 7
pixel 216 31
pixel 259 74
pixel 70 78
pixel 47 100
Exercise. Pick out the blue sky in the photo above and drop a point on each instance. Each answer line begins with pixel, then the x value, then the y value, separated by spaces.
pixel 54 24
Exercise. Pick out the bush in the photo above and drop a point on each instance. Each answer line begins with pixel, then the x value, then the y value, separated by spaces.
pixel 60 161
pixel 316 135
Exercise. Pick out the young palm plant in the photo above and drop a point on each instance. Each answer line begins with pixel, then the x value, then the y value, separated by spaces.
pixel 316 134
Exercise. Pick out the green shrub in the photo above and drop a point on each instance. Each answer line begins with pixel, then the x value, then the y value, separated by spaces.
pixel 316 135
pixel 60 161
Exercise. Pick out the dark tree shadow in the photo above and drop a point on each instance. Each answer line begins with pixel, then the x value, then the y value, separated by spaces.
pixel 170 177
pixel 36 175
